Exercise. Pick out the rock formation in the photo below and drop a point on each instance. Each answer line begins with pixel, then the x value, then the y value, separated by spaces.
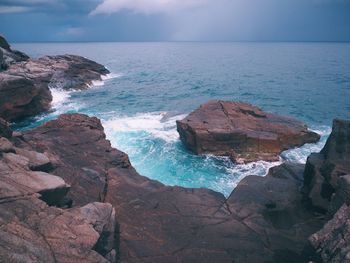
pixel 67 196
pixel 25 84
pixel 32 229
pixel 332 242
pixel 241 131
pixel 262 220
pixel 325 172
pixel 9 56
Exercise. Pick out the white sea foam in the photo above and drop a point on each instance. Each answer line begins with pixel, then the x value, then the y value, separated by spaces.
pixel 300 154
pixel 135 135
pixel 158 124
pixel 104 78
pixel 62 103
pixel 59 97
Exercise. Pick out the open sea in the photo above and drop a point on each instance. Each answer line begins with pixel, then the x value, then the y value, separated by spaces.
pixel 151 85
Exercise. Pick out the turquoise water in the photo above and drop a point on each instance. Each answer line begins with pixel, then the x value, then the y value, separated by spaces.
pixel 153 84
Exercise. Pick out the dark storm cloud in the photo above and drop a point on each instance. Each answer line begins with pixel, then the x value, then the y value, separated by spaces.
pixel 155 20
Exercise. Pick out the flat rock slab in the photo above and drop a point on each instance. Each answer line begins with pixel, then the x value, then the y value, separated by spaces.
pixel 242 131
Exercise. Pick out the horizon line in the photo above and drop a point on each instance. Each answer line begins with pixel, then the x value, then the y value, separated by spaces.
pixel 187 41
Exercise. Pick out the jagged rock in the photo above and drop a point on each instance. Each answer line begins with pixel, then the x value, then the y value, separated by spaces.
pixel 9 56
pixel 17 180
pixel 323 170
pixel 102 217
pixel 332 242
pixel 79 160
pixel 5 130
pixel 33 232
pixel 263 221
pixel 241 131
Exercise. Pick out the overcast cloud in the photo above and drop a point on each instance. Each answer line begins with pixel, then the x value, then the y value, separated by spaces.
pixel 191 20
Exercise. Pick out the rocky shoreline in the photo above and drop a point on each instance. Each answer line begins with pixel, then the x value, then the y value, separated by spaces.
pixel 25 83
pixel 67 196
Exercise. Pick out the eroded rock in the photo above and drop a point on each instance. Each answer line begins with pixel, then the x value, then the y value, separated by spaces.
pixel 241 131
pixel 324 170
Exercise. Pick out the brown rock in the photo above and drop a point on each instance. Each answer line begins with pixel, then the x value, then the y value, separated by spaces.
pixel 25 84
pixel 20 97
pixel 262 220
pixel 37 161
pixel 33 232
pixel 332 242
pixel 102 217
pixel 323 170
pixel 17 180
pixel 241 131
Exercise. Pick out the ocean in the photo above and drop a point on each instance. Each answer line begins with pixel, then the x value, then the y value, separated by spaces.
pixel 151 85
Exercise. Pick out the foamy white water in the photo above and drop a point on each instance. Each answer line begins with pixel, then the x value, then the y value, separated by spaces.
pixel 104 78
pixel 299 155
pixel 158 124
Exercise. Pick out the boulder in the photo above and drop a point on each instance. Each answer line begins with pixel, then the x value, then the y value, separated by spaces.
pixel 324 170
pixel 332 242
pixel 20 97
pixel 241 131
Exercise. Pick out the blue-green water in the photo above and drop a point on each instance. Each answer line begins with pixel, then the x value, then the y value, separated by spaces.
pixel 153 84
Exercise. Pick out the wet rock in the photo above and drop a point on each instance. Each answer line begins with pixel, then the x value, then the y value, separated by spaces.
pixel 324 170
pixel 241 131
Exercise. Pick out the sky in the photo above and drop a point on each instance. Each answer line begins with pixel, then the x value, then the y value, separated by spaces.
pixel 175 20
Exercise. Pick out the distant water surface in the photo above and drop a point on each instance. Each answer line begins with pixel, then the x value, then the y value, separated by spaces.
pixel 153 84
